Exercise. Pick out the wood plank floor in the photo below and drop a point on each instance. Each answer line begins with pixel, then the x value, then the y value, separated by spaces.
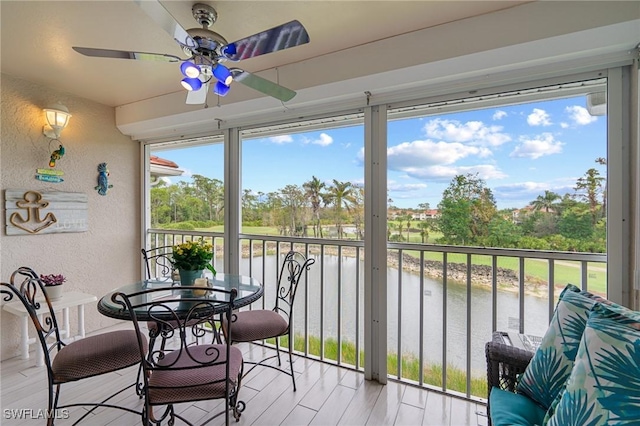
pixel 326 395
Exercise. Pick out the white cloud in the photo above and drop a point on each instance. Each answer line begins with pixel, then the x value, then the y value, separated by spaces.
pixel 579 115
pixel 443 173
pixel 539 117
pixel 484 171
pixel 525 192
pixel 524 187
pixel 281 139
pixel 537 147
pixel 564 125
pixel 499 115
pixel 471 132
pixel 420 154
pixel 323 140
pixel 404 187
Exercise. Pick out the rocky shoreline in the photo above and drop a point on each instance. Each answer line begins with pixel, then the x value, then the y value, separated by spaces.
pixel 482 275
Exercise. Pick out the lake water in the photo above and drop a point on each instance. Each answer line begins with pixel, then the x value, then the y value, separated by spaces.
pixel 324 305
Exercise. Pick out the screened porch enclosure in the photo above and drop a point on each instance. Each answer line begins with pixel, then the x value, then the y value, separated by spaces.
pixel 397 291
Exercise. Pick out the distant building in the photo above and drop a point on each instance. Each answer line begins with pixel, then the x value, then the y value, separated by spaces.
pixel 420 215
pixel 159 168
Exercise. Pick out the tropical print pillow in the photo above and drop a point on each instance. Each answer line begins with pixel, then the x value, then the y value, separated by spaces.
pixel 545 376
pixel 604 385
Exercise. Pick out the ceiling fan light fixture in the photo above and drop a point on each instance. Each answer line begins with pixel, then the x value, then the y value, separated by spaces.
pixel 191 83
pixel 229 50
pixel 189 69
pixel 222 74
pixel 221 89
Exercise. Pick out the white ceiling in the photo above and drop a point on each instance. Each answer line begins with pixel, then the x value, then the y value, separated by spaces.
pixel 37 37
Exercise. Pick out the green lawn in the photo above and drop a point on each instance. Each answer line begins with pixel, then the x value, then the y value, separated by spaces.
pixel 536 270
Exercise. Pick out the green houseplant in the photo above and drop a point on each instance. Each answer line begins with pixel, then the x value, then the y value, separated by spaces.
pixel 191 258
pixel 53 285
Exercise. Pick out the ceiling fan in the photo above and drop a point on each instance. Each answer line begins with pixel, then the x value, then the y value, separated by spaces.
pixel 207 50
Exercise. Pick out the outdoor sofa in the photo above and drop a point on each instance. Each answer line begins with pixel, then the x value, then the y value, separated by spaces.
pixel 586 370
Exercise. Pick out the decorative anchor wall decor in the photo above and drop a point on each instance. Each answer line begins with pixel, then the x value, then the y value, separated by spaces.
pixel 103 179
pixel 45 212
pixel 32 202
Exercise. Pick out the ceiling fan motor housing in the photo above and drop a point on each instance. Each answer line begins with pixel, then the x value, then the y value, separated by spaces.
pixel 204 14
pixel 208 41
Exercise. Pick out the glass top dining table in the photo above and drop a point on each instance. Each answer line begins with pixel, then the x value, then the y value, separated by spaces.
pixel 249 290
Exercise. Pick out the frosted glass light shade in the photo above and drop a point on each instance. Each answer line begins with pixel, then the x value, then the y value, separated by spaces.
pixel 57 117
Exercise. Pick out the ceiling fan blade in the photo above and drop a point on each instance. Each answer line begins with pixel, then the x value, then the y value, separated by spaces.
pixel 158 13
pixel 263 85
pixel 197 97
pixel 278 38
pixel 123 54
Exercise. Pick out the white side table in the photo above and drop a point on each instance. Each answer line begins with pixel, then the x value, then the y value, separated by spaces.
pixel 68 300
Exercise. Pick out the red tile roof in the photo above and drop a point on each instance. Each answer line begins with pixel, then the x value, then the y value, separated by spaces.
pixel 153 159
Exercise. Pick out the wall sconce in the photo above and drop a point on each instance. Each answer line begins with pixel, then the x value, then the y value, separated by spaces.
pixel 57 119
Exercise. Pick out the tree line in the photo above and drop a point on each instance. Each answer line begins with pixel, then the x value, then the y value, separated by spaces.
pixel 467 213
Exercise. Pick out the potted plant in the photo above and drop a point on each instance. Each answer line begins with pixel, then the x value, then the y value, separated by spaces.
pixel 53 285
pixel 191 258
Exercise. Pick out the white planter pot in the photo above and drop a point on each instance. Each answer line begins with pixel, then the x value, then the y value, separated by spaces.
pixel 53 291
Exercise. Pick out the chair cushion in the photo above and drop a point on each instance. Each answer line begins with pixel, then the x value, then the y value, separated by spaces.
pixel 508 408
pixel 93 355
pixel 258 325
pixel 604 385
pixel 204 382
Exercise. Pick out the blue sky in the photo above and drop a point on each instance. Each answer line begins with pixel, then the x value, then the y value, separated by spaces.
pixel 519 150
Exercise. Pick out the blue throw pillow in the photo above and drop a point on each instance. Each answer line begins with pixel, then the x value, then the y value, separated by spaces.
pixel 545 376
pixel 604 385
pixel 508 409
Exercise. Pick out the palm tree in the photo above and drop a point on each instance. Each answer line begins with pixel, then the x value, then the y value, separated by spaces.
pixel 339 196
pixel 406 217
pixel 313 192
pixel 545 201
pixel 424 230
pixel 356 200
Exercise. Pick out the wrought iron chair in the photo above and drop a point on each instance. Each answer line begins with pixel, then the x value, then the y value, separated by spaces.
pixel 189 372
pixel 158 262
pixel 80 359
pixel 262 324
pixel 159 266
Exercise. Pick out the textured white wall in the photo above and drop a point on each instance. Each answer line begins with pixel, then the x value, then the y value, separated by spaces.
pixel 108 254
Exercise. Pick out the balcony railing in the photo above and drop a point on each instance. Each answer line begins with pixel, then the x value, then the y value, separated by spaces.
pixel 443 301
